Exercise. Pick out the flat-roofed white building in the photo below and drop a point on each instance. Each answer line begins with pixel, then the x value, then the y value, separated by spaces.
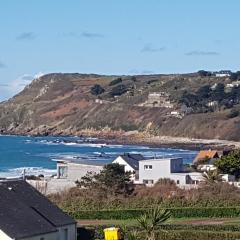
pixel 150 171
pixel 74 171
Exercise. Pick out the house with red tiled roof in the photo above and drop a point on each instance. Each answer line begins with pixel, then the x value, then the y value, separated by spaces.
pixel 206 155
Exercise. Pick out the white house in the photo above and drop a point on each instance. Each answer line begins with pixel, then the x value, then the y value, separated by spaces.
pixel 28 215
pixel 130 162
pixel 150 171
pixel 223 73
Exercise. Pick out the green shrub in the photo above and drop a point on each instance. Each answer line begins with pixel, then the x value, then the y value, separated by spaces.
pixel 198 235
pixel 233 113
pixel 118 90
pixel 97 89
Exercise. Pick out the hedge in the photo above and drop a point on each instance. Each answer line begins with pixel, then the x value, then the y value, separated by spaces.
pixel 176 213
pixel 199 235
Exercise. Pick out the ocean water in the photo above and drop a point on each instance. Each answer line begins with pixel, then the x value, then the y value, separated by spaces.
pixel 38 155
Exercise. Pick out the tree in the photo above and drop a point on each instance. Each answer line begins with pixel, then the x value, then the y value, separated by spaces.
pixel 203 73
pixel 133 78
pixel 235 76
pixel 115 81
pixel 97 89
pixel 112 180
pixel 118 90
pixel 153 220
pixel 218 93
pixel 230 164
pixel 204 92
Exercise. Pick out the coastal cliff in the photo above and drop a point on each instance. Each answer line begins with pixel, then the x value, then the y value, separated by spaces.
pixel 187 105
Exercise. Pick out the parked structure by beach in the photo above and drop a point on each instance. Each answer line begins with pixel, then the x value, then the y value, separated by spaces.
pixel 73 171
pixel 28 215
pixel 150 171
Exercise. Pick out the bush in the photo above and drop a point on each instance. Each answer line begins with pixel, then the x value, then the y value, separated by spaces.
pixel 97 90
pixel 118 90
pixel 198 235
pixel 203 73
pixel 115 81
pixel 233 113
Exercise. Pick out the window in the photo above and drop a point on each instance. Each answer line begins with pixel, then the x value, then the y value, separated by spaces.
pixel 178 182
pixel 147 167
pixel 63 171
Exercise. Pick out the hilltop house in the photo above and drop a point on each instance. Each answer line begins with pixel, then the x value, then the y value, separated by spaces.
pixel 150 171
pixel 223 73
pixel 130 163
pixel 158 99
pixel 28 215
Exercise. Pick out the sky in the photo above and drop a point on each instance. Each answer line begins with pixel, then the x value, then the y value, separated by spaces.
pixel 115 37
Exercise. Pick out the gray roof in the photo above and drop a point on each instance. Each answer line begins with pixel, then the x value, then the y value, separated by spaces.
pixel 24 212
pixel 132 159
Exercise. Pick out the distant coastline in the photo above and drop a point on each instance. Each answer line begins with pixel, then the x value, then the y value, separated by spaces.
pixel 135 137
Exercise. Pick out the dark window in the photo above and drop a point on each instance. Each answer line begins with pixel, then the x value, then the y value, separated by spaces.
pixel 178 182
pixel 147 167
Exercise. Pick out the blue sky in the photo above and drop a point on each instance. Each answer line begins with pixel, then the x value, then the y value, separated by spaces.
pixel 115 37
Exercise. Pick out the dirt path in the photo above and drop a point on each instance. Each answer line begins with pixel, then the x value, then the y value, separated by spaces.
pixel 205 221
pixel 96 222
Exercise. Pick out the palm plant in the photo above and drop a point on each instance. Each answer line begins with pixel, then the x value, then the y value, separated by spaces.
pixel 132 235
pixel 152 220
pixel 212 176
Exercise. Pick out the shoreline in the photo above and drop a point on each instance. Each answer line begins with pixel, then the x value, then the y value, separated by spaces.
pixel 137 138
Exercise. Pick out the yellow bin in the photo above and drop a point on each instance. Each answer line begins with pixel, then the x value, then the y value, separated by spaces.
pixel 112 233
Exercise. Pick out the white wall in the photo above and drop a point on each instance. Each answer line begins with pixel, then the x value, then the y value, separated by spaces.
pixel 166 168
pixel 49 236
pixel 160 169
pixel 76 171
pixel 121 161
pixel 72 234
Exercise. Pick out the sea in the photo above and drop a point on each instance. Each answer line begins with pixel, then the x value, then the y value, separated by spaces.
pixel 38 155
